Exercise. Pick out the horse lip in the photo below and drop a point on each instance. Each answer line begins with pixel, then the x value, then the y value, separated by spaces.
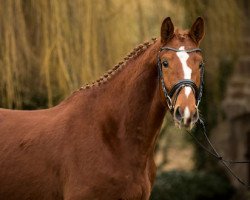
pixel 181 124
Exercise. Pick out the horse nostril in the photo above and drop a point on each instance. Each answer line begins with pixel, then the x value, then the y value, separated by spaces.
pixel 178 114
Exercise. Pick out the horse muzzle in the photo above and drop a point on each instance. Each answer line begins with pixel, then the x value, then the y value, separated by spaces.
pixel 184 116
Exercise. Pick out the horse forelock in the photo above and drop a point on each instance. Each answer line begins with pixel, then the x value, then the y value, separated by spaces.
pixel 183 36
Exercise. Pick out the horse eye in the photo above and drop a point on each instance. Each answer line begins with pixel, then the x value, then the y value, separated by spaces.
pixel 165 63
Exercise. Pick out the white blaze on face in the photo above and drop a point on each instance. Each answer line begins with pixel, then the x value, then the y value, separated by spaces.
pixel 186 114
pixel 183 56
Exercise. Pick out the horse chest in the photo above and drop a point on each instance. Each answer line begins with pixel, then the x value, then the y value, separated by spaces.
pixel 114 185
pixel 111 189
pixel 129 184
pixel 126 188
pixel 130 181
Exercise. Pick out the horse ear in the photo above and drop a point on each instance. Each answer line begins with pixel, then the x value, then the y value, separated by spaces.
pixel 197 31
pixel 167 30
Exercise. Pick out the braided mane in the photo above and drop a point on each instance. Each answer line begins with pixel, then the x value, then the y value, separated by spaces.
pixel 110 73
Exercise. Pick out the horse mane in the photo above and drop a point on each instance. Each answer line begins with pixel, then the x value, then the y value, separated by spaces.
pixel 110 73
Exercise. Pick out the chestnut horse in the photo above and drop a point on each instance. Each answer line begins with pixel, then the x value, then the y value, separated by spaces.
pixel 99 143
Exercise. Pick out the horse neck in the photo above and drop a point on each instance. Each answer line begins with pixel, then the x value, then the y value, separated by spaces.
pixel 127 107
pixel 133 101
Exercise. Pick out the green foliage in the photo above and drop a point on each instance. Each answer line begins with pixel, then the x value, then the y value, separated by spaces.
pixel 58 45
pixel 49 48
pixel 181 185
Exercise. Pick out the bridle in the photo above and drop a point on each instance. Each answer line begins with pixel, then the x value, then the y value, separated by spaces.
pixel 182 83
pixel 198 94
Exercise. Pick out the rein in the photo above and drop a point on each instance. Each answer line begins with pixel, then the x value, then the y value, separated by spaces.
pixel 182 83
pixel 215 154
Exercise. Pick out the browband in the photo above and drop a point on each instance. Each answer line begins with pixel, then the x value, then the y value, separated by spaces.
pixel 181 50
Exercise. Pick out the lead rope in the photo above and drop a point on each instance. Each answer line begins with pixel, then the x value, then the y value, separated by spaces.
pixel 218 156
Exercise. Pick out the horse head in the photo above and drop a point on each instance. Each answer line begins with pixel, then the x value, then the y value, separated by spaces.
pixel 181 67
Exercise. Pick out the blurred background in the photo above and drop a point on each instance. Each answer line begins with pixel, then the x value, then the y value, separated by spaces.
pixel 49 48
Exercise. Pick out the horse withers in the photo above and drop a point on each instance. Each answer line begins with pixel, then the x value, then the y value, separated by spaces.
pixel 99 143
